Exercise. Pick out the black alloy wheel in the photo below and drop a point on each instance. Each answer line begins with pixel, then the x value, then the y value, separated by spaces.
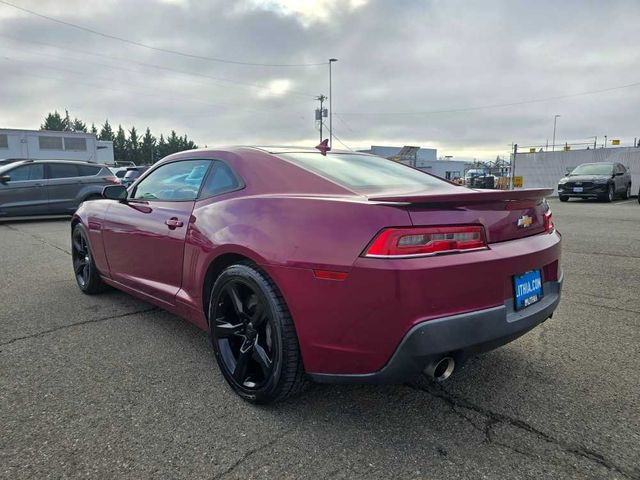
pixel 253 336
pixel 85 271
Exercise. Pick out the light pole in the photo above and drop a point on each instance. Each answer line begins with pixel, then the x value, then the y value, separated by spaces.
pixel 331 60
pixel 553 143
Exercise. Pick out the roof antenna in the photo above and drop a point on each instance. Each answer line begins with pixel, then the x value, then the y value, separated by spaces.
pixel 324 147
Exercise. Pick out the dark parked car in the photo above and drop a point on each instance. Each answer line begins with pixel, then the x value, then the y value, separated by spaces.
pixel 131 175
pixel 339 268
pixel 42 187
pixel 603 181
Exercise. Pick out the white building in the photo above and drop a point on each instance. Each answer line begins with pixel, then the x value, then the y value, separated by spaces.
pixel 425 159
pixel 544 169
pixel 50 145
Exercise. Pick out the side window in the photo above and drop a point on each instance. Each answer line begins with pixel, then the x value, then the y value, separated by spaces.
pixel 175 181
pixel 62 170
pixel 88 170
pixel 220 180
pixel 26 173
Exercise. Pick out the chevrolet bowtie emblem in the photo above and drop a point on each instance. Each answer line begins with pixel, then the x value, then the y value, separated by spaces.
pixel 525 221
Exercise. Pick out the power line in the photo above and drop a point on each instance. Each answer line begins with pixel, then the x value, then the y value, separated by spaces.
pixel 497 105
pixel 237 83
pixel 340 141
pixel 158 49
pixel 138 92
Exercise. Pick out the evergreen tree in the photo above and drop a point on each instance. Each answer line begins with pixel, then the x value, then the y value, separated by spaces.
pixel 133 147
pixel 173 143
pixel 94 130
pixel 53 121
pixel 120 145
pixel 147 147
pixel 161 149
pixel 106 132
pixel 78 125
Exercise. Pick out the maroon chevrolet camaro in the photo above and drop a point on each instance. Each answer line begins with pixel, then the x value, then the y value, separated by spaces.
pixel 344 267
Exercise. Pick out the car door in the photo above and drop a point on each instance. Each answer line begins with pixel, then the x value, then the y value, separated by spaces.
pixel 144 236
pixel 625 178
pixel 63 186
pixel 25 192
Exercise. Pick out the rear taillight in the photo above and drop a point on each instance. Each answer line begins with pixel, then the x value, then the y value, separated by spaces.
pixel 548 222
pixel 418 241
pixel 111 179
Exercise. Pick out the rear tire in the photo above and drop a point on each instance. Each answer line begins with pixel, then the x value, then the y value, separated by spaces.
pixel 563 198
pixel 627 193
pixel 84 267
pixel 253 336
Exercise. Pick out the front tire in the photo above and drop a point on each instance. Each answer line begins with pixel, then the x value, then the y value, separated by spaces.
pixel 253 336
pixel 84 267
pixel 610 195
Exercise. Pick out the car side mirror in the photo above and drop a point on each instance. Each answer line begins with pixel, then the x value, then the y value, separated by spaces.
pixel 4 179
pixel 618 173
pixel 115 192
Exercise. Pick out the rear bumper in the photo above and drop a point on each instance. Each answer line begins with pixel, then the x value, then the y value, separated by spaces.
pixel 459 336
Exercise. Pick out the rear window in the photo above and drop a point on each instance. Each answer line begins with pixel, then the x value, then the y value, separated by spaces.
pixel 132 174
pixel 363 172
pixel 87 170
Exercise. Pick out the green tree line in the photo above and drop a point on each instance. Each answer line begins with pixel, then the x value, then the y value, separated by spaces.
pixel 128 145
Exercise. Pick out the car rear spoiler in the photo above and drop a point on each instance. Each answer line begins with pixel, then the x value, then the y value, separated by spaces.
pixel 466 196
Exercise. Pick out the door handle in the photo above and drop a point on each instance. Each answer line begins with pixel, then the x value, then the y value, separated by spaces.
pixel 173 223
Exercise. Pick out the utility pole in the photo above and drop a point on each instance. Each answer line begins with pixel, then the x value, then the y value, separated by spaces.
pixel 553 143
pixel 331 60
pixel 513 164
pixel 321 113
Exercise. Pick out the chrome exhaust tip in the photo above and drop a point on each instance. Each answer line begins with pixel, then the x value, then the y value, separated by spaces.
pixel 440 369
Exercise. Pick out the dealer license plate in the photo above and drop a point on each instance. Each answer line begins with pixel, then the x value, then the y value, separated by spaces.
pixel 577 190
pixel 528 288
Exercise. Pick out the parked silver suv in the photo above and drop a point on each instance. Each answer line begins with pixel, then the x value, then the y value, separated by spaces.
pixel 50 187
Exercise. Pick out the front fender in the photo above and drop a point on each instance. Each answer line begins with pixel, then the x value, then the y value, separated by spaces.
pixel 91 215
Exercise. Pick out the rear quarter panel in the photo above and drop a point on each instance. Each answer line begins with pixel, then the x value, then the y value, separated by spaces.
pixel 275 231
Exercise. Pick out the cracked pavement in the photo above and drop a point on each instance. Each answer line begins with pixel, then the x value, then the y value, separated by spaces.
pixel 110 387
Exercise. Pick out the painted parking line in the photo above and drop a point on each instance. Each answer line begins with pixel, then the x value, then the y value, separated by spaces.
pixel 626 201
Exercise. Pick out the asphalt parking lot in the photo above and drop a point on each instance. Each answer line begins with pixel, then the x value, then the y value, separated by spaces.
pixel 110 387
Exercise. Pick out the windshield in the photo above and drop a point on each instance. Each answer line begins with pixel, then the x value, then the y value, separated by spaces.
pixel 8 166
pixel 593 169
pixel 363 172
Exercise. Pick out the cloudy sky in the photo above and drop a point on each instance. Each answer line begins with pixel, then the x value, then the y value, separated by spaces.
pixel 467 77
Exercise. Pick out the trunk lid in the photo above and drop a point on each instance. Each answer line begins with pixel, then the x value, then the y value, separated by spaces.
pixel 505 214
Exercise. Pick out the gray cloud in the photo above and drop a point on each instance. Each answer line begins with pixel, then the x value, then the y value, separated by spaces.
pixel 394 57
